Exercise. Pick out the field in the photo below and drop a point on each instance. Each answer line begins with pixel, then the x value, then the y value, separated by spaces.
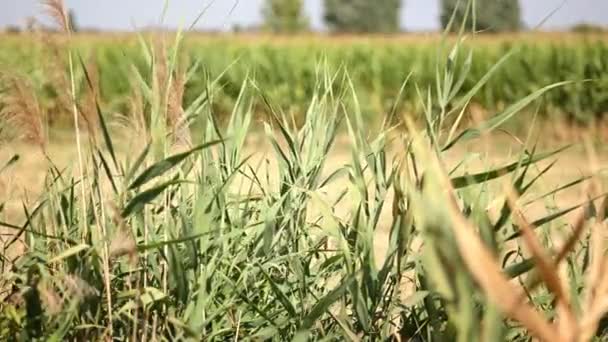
pixel 168 187
pixel 288 70
pixel 25 180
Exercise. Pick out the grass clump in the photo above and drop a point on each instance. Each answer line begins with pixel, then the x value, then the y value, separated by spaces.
pixel 189 237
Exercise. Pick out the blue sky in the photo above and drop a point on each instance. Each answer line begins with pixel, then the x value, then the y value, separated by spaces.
pixel 416 14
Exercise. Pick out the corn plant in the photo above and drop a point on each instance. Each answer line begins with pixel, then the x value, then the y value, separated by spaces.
pixel 377 67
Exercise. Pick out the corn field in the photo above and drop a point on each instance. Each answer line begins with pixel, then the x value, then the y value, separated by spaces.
pixel 181 233
pixel 377 67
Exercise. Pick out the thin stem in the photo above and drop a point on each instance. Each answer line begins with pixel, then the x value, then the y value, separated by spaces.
pixel 78 144
pixel 106 258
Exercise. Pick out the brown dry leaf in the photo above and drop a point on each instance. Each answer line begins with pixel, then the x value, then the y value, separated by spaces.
pixel 494 283
pixel 546 268
pixel 564 250
pixel 579 227
pixel 595 305
pixel 595 302
pixel 488 273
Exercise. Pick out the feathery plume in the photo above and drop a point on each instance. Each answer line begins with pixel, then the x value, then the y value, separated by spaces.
pixel 173 82
pixel 175 112
pixel 55 9
pixel 53 303
pixel 78 287
pixel 123 243
pixel 20 109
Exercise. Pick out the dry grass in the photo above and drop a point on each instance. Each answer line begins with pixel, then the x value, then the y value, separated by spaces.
pixel 24 181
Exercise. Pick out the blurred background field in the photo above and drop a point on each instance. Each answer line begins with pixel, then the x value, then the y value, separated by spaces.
pixel 287 69
pixel 284 46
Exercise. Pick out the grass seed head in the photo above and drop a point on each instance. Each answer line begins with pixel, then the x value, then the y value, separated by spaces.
pixel 51 299
pixel 55 9
pixel 21 110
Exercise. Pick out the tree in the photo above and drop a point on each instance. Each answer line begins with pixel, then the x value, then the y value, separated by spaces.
pixel 490 15
pixel 585 27
pixel 72 20
pixel 362 16
pixel 14 29
pixel 284 16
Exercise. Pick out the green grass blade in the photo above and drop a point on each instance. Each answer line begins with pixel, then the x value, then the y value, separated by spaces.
pixel 12 161
pixel 140 200
pixel 281 296
pixel 167 164
pixel 482 177
pixel 102 121
pixel 324 303
pixel 69 252
pixel 500 119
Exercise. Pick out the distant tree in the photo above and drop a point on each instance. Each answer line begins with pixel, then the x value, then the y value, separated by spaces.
pixel 237 28
pixel 362 16
pixel 510 13
pixel 73 22
pixel 588 28
pixel 490 15
pixel 284 16
pixel 14 29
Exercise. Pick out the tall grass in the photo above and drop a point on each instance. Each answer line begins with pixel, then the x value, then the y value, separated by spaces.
pixel 189 237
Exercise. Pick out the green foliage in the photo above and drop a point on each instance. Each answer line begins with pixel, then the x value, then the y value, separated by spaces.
pixel 361 16
pixel 487 16
pixel 285 16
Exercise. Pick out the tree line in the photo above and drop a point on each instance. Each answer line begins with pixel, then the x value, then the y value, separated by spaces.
pixel 383 16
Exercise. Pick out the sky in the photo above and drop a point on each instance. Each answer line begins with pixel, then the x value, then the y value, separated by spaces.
pixel 416 15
